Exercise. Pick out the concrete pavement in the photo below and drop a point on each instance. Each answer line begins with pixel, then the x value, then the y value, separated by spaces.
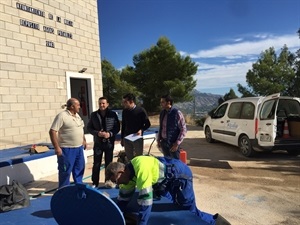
pixel 246 191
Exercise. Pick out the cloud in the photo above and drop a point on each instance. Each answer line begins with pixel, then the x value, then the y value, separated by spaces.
pixel 231 62
pixel 238 39
pixel 220 76
pixel 262 36
pixel 248 48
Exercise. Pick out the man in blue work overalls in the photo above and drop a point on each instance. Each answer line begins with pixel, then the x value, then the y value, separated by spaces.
pixel 160 176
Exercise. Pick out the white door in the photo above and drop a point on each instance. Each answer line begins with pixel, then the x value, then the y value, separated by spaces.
pixel 240 121
pixel 267 121
pixel 218 122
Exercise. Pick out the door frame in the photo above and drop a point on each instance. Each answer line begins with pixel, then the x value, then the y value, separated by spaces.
pixel 90 84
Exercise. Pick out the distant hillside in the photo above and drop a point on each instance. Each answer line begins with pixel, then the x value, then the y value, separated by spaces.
pixel 203 103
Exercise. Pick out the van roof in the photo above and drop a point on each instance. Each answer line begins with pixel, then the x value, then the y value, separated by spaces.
pixel 258 99
pixel 253 99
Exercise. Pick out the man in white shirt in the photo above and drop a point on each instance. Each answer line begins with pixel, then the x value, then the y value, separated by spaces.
pixel 67 137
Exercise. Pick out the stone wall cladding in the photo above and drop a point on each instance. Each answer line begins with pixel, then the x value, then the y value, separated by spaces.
pixel 29 70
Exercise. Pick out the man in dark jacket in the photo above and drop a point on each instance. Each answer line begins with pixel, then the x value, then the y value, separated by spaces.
pixel 104 126
pixel 134 122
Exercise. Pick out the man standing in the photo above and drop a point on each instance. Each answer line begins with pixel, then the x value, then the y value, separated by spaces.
pixel 161 176
pixel 104 126
pixel 134 121
pixel 67 137
pixel 172 128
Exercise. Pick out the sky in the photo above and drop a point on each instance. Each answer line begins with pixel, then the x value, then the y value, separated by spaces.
pixel 223 37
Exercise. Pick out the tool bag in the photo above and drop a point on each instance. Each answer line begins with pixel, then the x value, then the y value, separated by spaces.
pixel 14 196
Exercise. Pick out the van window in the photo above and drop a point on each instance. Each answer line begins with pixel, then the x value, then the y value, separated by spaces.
pixel 220 112
pixel 288 108
pixel 248 111
pixel 241 110
pixel 235 110
pixel 268 110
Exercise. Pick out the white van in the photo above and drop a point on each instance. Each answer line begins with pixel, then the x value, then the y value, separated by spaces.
pixel 257 124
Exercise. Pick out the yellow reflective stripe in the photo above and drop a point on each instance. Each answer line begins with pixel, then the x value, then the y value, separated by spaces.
pixel 145 202
pixel 145 196
pixel 126 194
pixel 161 175
pixel 145 190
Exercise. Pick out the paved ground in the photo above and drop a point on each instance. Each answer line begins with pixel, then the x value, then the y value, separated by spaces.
pixel 264 190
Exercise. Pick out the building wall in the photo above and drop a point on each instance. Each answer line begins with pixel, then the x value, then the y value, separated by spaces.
pixel 40 42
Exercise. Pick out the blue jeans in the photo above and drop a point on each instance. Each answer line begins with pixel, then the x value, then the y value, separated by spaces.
pixel 71 161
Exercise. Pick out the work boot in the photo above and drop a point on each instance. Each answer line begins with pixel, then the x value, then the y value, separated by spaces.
pixel 220 220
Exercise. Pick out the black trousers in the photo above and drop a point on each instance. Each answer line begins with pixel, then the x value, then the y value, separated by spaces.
pixel 99 148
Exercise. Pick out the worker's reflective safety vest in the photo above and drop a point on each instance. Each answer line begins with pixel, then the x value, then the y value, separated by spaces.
pixel 147 171
pixel 166 176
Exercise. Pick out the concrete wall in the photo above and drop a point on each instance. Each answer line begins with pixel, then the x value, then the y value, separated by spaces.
pixel 40 42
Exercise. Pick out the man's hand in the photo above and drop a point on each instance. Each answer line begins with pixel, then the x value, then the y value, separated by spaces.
pixel 84 144
pixel 58 151
pixel 158 144
pixel 104 134
pixel 174 147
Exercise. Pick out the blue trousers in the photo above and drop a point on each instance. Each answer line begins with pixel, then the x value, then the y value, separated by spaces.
pixel 71 161
pixel 179 188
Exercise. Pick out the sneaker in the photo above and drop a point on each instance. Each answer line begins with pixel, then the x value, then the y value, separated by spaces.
pixel 94 186
pixel 220 220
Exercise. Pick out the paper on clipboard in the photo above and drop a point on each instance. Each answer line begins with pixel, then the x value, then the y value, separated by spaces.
pixel 133 137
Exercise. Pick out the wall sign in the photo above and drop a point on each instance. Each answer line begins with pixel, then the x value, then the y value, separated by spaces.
pixel 47 29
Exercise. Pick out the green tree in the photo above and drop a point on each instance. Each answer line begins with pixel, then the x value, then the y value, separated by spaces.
pixel 230 95
pixel 271 74
pixel 113 87
pixel 161 70
pixel 296 90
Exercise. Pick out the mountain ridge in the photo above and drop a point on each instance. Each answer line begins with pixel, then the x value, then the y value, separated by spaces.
pixel 201 105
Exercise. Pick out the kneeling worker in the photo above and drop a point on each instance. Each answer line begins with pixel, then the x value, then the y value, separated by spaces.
pixel 162 176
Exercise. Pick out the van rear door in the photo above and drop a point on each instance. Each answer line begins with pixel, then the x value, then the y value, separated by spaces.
pixel 267 121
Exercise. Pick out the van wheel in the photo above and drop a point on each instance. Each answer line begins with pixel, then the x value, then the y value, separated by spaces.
pixel 245 146
pixel 208 137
